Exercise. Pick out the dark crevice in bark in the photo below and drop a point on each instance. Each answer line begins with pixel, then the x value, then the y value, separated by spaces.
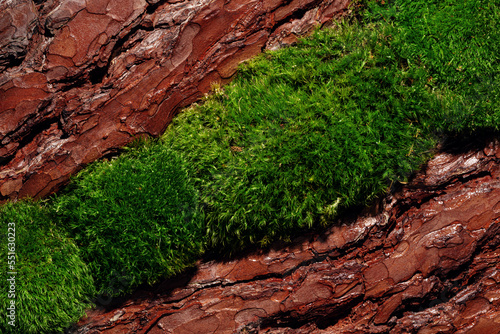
pixel 67 84
pixel 24 137
pixel 12 61
pixel 112 154
pixel 98 74
pixel 34 131
pixel 404 204
pixel 462 142
pixel 47 33
pixel 153 7
pixel 295 15
pixel 467 178
pixel 66 134
pixel 37 129
pixel 322 318
pixel 436 191
pixel 460 178
pixel 5 160
pixel 165 288
pixel 339 312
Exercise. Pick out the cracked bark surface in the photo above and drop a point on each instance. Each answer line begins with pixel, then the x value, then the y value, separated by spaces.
pixel 82 78
pixel 425 259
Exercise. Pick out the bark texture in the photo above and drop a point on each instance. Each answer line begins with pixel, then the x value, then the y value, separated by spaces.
pixel 424 260
pixel 82 78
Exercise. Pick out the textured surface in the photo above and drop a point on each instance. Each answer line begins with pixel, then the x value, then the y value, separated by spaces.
pixel 82 78
pixel 424 260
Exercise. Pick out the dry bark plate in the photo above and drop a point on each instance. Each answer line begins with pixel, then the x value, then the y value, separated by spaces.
pixel 426 260
pixel 82 78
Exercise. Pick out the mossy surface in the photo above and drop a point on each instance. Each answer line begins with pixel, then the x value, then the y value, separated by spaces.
pixel 300 135
pixel 135 218
pixel 51 284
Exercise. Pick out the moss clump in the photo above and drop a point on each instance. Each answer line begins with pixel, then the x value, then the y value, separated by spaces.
pixel 329 123
pixel 53 285
pixel 334 121
pixel 135 218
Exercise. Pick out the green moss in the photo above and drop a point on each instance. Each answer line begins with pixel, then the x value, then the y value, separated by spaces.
pixel 458 44
pixel 334 121
pixel 135 218
pixel 52 284
pixel 331 122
